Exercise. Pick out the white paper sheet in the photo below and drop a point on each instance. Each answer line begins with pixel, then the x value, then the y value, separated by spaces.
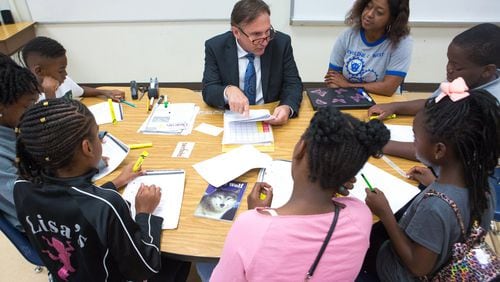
pixel 171 183
pixel 225 167
pixel 397 191
pixel 116 151
pixel 209 129
pixel 102 113
pixel 279 175
pixel 401 133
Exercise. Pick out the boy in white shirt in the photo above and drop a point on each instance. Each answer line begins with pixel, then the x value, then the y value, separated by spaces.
pixel 46 58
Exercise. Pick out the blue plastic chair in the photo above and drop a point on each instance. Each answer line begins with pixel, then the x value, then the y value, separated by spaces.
pixel 21 242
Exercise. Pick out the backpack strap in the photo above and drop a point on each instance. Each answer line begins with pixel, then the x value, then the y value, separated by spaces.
pixel 453 206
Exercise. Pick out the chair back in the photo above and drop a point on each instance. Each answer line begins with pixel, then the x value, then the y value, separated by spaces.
pixel 20 241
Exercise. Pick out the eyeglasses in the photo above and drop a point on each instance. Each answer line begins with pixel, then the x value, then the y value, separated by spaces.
pixel 270 33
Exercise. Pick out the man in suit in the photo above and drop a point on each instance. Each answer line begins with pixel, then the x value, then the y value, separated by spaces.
pixel 234 79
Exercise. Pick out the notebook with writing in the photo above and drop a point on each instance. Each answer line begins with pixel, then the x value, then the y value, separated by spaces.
pixel 342 98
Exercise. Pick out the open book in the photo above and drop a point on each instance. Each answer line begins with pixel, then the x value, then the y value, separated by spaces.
pixel 102 112
pixel 115 151
pixel 171 183
pixel 397 191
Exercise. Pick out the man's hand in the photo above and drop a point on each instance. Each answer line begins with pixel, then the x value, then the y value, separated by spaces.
pixel 281 115
pixel 237 100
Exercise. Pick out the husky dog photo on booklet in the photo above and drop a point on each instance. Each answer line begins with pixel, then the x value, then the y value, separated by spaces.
pixel 221 202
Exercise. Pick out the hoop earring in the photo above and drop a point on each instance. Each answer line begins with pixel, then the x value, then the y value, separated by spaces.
pixel 388 28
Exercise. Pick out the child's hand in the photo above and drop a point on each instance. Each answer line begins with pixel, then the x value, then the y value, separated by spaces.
pixel 349 185
pixel 378 204
pixel 421 174
pixel 147 198
pixel 49 85
pixel 381 110
pixel 115 94
pixel 261 196
pixel 126 176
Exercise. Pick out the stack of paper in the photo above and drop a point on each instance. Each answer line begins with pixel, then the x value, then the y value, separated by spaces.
pixel 174 119
pixel 171 183
pixel 239 129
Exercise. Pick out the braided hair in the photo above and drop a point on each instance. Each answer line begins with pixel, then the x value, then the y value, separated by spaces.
pixel 339 145
pixel 49 134
pixel 42 46
pixel 15 81
pixel 471 128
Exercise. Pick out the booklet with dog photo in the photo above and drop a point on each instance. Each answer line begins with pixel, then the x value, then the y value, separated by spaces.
pixel 221 202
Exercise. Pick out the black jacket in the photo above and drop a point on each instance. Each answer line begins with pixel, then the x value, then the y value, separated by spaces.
pixel 279 74
pixel 83 232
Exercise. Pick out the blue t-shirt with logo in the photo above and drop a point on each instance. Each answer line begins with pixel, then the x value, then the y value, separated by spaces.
pixel 363 61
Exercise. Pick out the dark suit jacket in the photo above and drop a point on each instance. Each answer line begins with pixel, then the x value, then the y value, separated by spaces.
pixel 279 74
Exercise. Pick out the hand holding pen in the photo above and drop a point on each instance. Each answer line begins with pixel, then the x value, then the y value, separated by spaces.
pixel 260 196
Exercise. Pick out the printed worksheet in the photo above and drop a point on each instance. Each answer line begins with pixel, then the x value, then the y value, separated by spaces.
pixel 239 129
pixel 171 183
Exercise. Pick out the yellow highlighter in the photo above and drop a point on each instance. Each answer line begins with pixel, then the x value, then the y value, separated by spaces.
pixel 387 117
pixel 112 111
pixel 139 161
pixel 140 145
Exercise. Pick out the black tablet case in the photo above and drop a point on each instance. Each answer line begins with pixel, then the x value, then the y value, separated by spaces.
pixel 342 98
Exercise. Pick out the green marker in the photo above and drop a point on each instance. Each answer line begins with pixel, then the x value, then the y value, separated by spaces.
pixel 367 183
pixel 127 103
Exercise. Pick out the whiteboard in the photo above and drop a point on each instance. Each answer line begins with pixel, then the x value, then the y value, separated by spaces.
pixel 422 12
pixel 67 11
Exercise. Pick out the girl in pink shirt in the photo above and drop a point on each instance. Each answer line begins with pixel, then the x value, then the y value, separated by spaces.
pixel 282 244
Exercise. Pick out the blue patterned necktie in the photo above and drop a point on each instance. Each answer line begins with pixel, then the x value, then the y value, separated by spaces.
pixel 250 80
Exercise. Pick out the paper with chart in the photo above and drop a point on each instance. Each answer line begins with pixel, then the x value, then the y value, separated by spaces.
pixel 239 129
pixel 171 183
pixel 397 191
pixel 401 133
pixel 279 175
pixel 223 168
pixel 115 151
pixel 102 112
pixel 173 119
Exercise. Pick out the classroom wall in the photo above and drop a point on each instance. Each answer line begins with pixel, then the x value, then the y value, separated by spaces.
pixel 174 51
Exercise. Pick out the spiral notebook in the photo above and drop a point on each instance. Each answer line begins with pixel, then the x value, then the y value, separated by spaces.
pixel 342 98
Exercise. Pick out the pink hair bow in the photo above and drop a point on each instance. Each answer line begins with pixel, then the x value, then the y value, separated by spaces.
pixel 456 90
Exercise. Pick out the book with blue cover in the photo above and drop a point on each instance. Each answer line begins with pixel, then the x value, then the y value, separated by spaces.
pixel 221 202
pixel 342 98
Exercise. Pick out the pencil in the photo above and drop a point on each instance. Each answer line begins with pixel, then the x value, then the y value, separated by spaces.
pixel 367 183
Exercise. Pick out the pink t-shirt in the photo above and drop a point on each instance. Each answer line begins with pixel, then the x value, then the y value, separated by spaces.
pixel 260 247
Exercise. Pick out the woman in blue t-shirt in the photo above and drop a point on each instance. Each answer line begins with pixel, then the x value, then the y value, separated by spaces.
pixel 375 52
